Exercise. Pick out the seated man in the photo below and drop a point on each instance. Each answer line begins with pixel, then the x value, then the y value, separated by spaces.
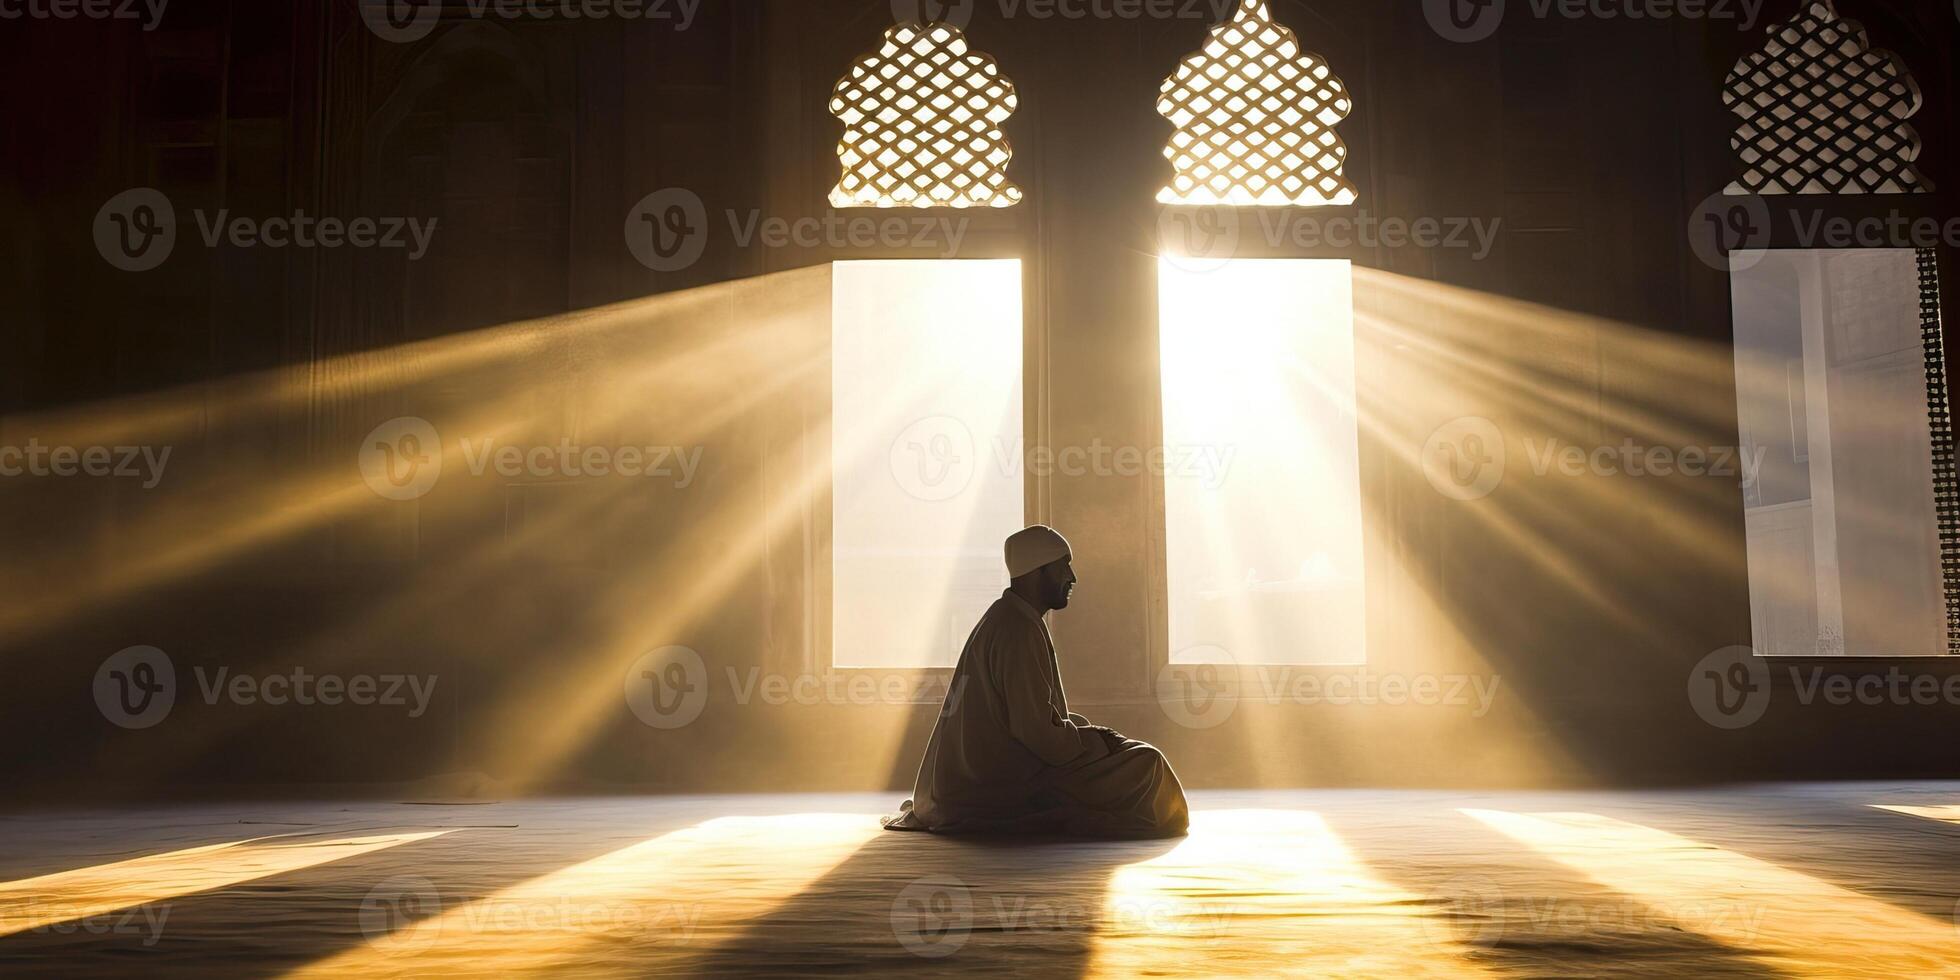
pixel 1008 755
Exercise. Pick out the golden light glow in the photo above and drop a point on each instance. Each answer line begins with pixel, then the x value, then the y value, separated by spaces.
pixel 1945 813
pixel 187 529
pixel 31 903
pixel 1263 542
pixel 926 424
pixel 645 909
pixel 1793 923
pixel 1263 893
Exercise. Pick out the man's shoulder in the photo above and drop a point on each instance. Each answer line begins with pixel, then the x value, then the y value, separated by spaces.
pixel 1008 617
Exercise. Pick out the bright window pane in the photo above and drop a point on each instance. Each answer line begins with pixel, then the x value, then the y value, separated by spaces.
pixel 1264 562
pixel 926 403
pixel 1842 533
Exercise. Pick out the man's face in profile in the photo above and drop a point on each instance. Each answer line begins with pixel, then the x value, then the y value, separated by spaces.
pixel 1057 579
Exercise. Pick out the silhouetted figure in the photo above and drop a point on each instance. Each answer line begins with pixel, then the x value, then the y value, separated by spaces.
pixel 1008 756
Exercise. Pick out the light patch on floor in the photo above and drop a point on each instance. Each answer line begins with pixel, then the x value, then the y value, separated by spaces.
pixel 1944 814
pixel 97 891
pixel 660 900
pixel 1747 883
pixel 1793 922
pixel 1261 893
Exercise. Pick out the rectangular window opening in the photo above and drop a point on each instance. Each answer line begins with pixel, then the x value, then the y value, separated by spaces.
pixel 1263 546
pixel 1840 390
pixel 926 426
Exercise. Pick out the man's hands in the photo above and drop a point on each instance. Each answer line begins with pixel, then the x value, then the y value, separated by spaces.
pixel 1111 738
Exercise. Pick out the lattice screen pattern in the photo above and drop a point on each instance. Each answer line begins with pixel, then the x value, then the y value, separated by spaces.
pixel 1255 119
pixel 1939 425
pixel 1823 112
pixel 922 120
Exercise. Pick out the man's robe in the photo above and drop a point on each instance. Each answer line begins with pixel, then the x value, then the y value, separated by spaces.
pixel 1008 755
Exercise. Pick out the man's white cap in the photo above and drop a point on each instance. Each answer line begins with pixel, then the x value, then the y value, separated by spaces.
pixel 1032 547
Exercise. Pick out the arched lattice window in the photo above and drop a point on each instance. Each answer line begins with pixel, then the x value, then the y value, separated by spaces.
pixel 1255 119
pixel 922 119
pixel 1823 112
